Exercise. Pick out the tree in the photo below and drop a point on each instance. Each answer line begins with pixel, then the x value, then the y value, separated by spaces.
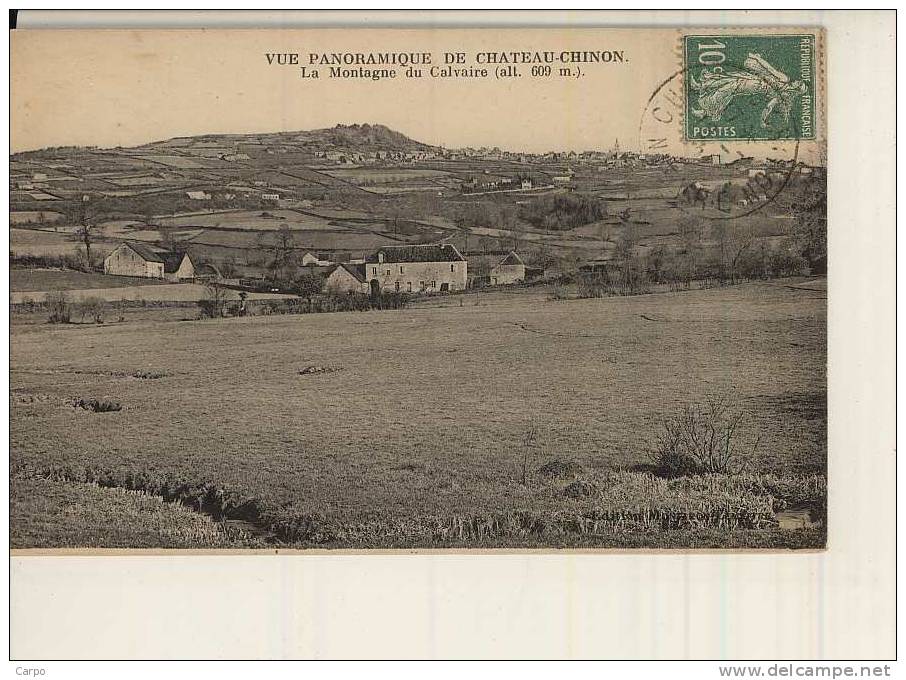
pixel 93 307
pixel 214 300
pixel 809 230
pixel 738 245
pixel 690 240
pixel 85 224
pixel 719 234
pixel 58 305
pixel 170 243
pixel 280 247
pixel 308 285
pixel 228 267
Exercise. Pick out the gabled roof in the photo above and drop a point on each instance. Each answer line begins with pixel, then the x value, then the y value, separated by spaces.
pixel 356 270
pixel 145 252
pixel 436 252
pixel 511 259
pixel 170 260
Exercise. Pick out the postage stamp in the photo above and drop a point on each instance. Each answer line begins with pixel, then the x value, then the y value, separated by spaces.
pixel 750 87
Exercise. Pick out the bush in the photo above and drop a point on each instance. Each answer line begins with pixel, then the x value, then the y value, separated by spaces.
pixel 563 211
pixel 92 307
pixel 214 302
pixel 704 440
pixel 97 405
pixel 58 305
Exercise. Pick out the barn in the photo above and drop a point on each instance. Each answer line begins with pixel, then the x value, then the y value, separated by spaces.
pixel 510 269
pixel 417 268
pixel 138 259
pixel 346 278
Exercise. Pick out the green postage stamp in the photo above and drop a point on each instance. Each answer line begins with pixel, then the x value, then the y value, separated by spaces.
pixel 750 87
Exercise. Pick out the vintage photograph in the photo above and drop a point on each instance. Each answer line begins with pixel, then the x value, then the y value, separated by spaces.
pixel 418 289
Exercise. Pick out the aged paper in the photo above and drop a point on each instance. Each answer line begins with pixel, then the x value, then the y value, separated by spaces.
pixel 309 291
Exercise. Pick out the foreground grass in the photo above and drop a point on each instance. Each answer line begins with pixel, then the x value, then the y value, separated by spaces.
pixel 48 513
pixel 614 509
pixel 422 418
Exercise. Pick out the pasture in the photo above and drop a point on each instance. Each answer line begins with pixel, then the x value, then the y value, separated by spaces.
pixel 28 280
pixel 368 176
pixel 253 220
pixel 430 417
pixel 51 243
pixel 111 288
pixel 33 217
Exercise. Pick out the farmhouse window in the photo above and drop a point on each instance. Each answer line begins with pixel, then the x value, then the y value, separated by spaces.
pixel 388 272
pixel 451 267
pixel 374 271
pixel 397 286
pixel 410 286
pixel 401 270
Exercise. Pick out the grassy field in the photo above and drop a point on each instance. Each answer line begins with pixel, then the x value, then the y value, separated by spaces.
pixel 420 432
pixel 33 217
pixel 29 280
pixel 253 220
pixel 129 289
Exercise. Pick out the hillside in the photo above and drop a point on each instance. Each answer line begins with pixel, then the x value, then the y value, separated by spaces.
pixel 361 137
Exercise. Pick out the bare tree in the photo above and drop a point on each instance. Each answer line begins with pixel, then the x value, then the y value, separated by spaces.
pixel 214 301
pixel 690 237
pixel 281 249
pixel 85 215
pixel 738 245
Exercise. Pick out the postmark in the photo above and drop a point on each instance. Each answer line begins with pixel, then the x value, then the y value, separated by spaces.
pixel 713 179
pixel 739 122
pixel 750 86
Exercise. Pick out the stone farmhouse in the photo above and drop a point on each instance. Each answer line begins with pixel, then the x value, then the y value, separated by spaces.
pixel 345 278
pixel 496 268
pixel 510 269
pixel 137 259
pixel 416 269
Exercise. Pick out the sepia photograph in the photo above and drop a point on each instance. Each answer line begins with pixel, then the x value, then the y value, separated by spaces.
pixel 418 290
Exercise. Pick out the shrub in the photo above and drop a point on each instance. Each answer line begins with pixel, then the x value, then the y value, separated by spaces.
pixel 92 307
pixel 580 489
pixel 704 439
pixel 213 304
pixel 560 468
pixel 563 211
pixel 58 305
pixel 97 405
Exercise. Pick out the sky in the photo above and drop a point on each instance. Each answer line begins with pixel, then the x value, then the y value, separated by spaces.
pixel 125 88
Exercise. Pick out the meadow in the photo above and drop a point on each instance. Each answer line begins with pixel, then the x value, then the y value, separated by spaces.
pixel 499 420
pixel 253 220
pixel 30 280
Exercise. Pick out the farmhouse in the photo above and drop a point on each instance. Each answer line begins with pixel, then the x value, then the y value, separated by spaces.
pixel 136 259
pixel 498 268
pixel 417 268
pixel 510 269
pixel 346 278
